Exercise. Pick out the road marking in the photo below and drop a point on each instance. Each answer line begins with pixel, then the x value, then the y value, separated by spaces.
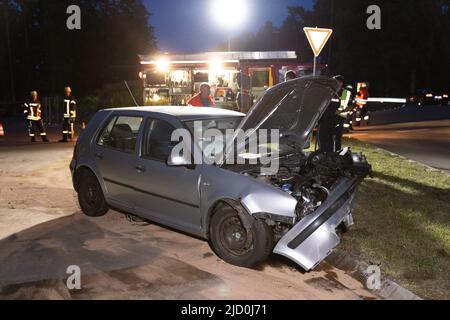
pixel 357 134
pixel 414 130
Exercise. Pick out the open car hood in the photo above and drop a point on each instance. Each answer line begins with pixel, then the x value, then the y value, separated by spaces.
pixel 294 108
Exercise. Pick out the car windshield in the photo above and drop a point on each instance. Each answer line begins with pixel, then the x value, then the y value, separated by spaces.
pixel 287 112
pixel 202 130
pixel 223 131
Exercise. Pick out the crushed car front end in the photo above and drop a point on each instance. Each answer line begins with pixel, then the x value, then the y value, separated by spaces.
pixel 324 206
pixel 324 186
pixel 313 238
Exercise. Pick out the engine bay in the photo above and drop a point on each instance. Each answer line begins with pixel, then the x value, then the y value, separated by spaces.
pixel 310 177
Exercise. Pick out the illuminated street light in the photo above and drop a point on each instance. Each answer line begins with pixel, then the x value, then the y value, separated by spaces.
pixel 229 14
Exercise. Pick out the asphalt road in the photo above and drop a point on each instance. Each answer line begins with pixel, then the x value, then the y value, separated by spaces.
pixel 16 133
pixel 43 232
pixel 426 142
pixel 396 113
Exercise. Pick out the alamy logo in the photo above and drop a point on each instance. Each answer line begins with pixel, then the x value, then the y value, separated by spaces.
pixel 214 146
pixel 374 278
pixel 74 280
pixel 374 20
pixel 74 20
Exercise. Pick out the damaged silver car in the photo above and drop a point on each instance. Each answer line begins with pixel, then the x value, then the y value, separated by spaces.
pixel 124 160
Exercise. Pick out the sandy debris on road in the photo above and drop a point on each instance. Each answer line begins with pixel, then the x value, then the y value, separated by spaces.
pixel 123 260
pixel 35 187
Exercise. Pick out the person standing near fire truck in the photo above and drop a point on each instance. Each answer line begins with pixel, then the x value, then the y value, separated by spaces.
pixel 331 124
pixel 34 118
pixel 203 98
pixel 361 104
pixel 70 114
pixel 346 108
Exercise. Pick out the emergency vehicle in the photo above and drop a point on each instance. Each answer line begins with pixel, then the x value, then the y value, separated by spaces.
pixel 237 79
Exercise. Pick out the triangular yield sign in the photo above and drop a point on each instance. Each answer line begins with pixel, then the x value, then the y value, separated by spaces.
pixel 317 38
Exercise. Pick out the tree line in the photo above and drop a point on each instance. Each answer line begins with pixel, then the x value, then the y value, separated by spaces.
pixel 410 51
pixel 38 51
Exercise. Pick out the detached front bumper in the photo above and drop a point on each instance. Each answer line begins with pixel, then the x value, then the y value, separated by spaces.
pixel 311 240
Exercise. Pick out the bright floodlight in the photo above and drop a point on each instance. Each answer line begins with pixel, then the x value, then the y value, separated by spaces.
pixel 229 13
pixel 162 65
pixel 216 65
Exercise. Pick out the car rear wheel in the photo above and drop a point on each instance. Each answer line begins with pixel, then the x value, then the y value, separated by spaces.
pixel 234 244
pixel 90 195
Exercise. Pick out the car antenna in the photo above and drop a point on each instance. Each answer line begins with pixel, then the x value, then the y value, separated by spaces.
pixel 131 93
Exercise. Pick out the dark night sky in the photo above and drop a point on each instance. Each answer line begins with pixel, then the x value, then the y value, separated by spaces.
pixel 188 25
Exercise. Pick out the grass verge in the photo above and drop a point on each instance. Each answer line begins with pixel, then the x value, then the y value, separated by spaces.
pixel 402 222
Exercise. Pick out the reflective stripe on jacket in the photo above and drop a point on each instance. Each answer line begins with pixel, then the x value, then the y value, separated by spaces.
pixel 70 107
pixel 33 110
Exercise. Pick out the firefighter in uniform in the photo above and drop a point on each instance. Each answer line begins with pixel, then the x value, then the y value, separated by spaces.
pixel 34 118
pixel 70 114
pixel 331 124
pixel 361 104
pixel 346 109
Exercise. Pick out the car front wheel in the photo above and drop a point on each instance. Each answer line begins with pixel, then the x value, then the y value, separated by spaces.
pixel 234 244
pixel 90 195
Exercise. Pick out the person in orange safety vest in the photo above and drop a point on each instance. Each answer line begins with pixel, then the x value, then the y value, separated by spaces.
pixel 203 98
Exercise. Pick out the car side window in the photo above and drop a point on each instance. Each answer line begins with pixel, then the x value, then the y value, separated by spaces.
pixel 121 133
pixel 157 143
pixel 104 138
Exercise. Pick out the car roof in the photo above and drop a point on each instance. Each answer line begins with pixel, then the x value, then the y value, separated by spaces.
pixel 186 113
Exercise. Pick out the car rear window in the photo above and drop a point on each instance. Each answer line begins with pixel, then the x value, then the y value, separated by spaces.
pixel 121 133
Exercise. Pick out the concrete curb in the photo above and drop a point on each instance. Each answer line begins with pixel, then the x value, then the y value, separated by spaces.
pixel 390 290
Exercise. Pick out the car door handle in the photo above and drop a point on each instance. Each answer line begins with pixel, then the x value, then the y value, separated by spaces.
pixel 140 169
pixel 99 155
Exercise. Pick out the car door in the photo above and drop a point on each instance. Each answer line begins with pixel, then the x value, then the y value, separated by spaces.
pixel 169 195
pixel 115 154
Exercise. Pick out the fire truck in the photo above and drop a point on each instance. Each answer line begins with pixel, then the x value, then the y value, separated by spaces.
pixel 237 79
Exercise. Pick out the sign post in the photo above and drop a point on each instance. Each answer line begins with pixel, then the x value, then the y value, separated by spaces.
pixel 317 38
pixel 315 65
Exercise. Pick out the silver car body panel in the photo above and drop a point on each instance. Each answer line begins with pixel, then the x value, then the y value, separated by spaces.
pixel 255 196
pixel 314 237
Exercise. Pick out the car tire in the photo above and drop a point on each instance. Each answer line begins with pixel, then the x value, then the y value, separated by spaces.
pixel 231 248
pixel 90 195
